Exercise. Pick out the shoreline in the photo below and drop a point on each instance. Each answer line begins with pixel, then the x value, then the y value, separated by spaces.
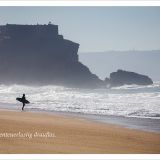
pixel 72 135
pixel 136 123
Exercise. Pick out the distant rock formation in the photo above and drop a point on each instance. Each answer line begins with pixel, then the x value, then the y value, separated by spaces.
pixel 122 77
pixel 37 54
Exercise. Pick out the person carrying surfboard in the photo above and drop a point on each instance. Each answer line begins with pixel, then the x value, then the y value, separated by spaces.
pixel 23 100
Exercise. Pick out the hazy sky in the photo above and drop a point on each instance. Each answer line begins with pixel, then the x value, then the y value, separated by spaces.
pixel 95 28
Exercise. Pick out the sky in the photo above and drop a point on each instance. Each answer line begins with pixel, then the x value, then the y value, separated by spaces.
pixel 96 29
pixel 142 62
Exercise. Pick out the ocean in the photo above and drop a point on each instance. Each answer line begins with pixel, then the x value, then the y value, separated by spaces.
pixel 142 102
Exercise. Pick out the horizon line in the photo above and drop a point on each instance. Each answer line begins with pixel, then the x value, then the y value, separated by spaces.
pixel 127 50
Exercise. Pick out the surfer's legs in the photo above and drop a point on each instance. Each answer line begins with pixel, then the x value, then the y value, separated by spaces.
pixel 23 106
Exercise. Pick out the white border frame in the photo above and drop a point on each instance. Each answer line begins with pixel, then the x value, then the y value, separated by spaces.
pixel 79 3
pixel 80 156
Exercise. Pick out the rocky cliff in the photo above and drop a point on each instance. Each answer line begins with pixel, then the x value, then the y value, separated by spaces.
pixel 37 54
pixel 122 77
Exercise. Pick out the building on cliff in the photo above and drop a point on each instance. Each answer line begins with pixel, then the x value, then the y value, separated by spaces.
pixel 37 54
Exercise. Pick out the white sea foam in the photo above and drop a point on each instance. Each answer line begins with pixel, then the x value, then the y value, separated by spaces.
pixel 130 101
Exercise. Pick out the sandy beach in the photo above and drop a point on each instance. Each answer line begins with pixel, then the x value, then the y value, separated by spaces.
pixel 26 132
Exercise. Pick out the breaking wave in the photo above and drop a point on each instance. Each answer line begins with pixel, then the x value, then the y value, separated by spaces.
pixel 128 101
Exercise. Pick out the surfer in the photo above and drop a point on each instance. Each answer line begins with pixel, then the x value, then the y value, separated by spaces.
pixel 23 100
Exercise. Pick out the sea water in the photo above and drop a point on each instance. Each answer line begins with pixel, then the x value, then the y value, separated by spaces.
pixel 126 101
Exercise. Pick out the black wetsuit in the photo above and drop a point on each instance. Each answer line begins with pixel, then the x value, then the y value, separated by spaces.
pixel 23 101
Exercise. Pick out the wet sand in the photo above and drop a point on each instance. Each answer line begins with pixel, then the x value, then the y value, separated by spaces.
pixel 26 132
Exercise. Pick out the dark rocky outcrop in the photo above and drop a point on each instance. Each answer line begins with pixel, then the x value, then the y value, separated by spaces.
pixel 122 77
pixel 37 54
pixel 107 81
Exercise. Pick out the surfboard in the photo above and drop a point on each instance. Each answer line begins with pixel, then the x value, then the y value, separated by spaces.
pixel 20 100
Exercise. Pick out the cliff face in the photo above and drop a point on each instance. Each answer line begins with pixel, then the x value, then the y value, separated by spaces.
pixel 124 77
pixel 37 54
